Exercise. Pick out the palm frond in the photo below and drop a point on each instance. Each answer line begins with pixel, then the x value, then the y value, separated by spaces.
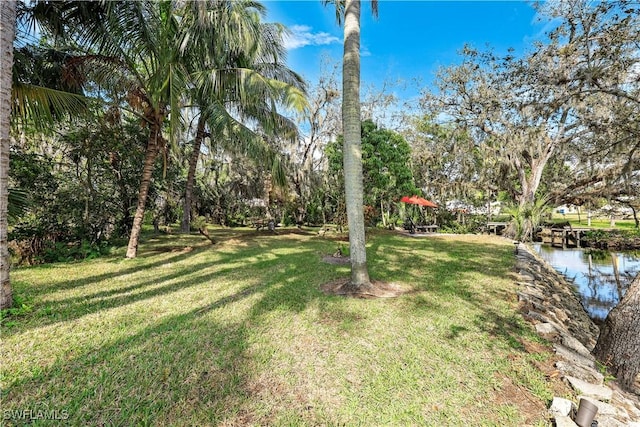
pixel 339 5
pixel 177 82
pixel 41 106
pixel 238 139
pixel 18 203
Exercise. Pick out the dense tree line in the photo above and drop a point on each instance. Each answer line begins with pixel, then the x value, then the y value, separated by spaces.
pixel 558 124
pixel 550 126
pixel 126 113
pixel 112 86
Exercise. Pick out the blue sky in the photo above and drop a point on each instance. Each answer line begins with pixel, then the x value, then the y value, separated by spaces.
pixel 410 39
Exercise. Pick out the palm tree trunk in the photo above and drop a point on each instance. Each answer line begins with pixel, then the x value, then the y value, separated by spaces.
pixel 147 172
pixel 352 144
pixel 191 175
pixel 7 33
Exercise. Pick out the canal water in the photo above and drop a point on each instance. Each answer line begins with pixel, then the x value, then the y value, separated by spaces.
pixel 600 277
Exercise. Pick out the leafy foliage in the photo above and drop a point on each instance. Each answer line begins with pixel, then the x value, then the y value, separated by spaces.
pixel 22 306
pixel 77 189
pixel 613 239
pixel 447 161
pixel 526 219
pixel 386 161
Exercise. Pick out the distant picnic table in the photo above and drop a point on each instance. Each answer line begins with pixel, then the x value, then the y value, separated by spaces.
pixel 496 227
pixel 427 228
pixel 260 223
pixel 412 227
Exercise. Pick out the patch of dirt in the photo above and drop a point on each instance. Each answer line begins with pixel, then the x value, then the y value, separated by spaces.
pixel 375 289
pixel 247 236
pixel 530 409
pixel 298 231
pixel 169 249
pixel 335 237
pixel 336 260
pixel 529 406
pixel 547 366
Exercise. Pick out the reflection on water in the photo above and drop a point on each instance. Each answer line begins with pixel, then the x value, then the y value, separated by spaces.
pixel 601 277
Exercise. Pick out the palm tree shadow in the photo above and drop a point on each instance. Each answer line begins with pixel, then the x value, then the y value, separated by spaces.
pixel 197 365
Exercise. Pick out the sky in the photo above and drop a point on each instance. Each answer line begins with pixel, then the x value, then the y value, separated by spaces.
pixel 409 39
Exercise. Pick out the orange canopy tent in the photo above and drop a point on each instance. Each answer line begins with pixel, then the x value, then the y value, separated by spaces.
pixel 416 200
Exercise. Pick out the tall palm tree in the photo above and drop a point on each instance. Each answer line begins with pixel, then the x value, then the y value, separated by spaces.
pixel 352 159
pixel 142 41
pixel 7 34
pixel 26 101
pixel 148 48
pixel 160 51
pixel 134 46
pixel 352 144
pixel 241 85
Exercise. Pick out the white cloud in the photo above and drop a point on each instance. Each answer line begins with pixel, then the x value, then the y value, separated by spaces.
pixel 302 35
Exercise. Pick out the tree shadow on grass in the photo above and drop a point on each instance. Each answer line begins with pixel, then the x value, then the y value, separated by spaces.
pixel 434 277
pixel 182 275
pixel 445 275
pixel 176 254
pixel 155 251
pixel 196 368
pixel 437 265
pixel 426 265
pixel 188 369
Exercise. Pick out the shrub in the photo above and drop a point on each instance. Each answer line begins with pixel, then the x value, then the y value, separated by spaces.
pixel 21 307
pixel 614 239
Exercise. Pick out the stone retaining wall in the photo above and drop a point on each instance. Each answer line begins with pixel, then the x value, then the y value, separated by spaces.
pixel 548 301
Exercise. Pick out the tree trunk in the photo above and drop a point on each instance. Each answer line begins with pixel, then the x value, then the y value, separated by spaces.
pixel 530 182
pixel 7 33
pixel 352 144
pixel 619 342
pixel 124 224
pixel 185 226
pixel 147 172
pixel 635 216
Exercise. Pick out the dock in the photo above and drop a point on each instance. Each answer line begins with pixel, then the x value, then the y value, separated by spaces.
pixel 564 237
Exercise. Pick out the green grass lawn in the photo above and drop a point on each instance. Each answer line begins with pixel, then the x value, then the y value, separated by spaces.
pixel 596 222
pixel 240 334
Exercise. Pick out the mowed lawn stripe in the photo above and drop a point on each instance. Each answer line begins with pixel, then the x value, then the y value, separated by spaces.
pixel 240 334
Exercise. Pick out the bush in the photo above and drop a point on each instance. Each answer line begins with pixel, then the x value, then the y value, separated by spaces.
pixel 448 223
pixel 46 243
pixel 66 252
pixel 371 216
pixel 526 219
pixel 615 239
pixel 21 307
